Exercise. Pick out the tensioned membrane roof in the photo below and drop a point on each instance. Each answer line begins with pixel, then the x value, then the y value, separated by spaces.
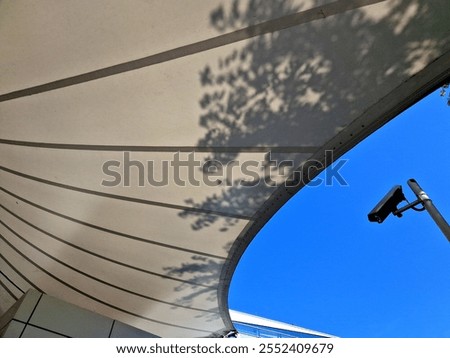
pixel 127 128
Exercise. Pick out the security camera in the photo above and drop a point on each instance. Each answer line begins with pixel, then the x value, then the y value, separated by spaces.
pixel 387 205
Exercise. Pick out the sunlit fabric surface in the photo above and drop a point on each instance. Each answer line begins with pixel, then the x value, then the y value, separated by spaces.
pixel 84 83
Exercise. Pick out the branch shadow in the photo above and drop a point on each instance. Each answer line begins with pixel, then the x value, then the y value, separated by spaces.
pixel 298 86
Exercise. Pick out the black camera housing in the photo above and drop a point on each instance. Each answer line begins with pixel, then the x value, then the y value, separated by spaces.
pixel 387 205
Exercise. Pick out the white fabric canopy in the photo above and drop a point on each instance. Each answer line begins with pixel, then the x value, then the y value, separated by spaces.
pixel 140 83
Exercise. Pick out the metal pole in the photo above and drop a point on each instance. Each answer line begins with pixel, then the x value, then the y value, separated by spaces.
pixel 429 206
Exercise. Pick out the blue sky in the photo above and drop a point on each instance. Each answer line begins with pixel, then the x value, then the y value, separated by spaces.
pixel 319 263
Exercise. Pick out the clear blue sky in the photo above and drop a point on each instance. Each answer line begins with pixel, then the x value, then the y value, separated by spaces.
pixel 319 263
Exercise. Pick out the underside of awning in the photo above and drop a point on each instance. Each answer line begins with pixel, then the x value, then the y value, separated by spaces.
pixel 142 142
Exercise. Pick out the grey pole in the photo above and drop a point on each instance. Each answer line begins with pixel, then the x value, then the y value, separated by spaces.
pixel 429 206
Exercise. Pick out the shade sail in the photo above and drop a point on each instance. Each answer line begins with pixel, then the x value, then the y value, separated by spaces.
pixel 144 144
